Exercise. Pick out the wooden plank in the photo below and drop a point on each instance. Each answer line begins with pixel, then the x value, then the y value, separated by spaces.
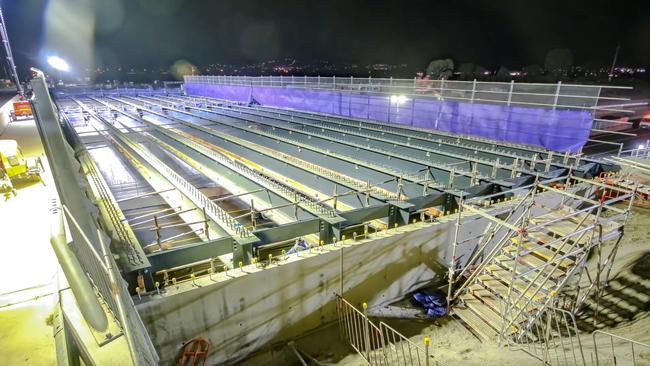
pixel 561 228
pixel 563 212
pixel 477 325
pixel 484 312
pixel 491 299
pixel 545 238
pixel 527 278
pixel 520 284
pixel 491 281
pixel 542 252
pixel 528 262
pixel 538 238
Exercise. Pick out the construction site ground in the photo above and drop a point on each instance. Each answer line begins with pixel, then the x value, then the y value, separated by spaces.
pixel 453 344
pixel 28 265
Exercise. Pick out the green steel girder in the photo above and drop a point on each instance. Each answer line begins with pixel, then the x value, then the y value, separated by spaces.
pixel 226 137
pixel 475 143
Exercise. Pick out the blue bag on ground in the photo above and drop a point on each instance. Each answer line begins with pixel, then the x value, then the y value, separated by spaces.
pixel 433 304
pixel 299 246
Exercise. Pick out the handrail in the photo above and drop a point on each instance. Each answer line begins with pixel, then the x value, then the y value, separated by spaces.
pixel 385 126
pixel 288 158
pixel 492 92
pixel 611 336
pixel 380 345
pixel 214 211
pixel 280 188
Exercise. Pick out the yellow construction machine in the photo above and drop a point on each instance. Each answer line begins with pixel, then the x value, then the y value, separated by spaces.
pixel 15 166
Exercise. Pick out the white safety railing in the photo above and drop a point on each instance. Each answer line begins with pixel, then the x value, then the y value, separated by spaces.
pixel 380 345
pixel 554 339
pixel 612 349
pixel 641 151
pixel 105 277
pixel 557 95
pixel 215 212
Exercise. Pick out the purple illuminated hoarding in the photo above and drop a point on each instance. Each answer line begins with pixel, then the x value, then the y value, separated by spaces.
pixel 553 129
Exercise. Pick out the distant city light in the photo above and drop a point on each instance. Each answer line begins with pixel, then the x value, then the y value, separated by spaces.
pixel 58 63
pixel 398 99
pixel 641 147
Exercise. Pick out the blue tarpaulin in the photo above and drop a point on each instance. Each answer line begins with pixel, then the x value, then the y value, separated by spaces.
pixel 434 304
pixel 554 129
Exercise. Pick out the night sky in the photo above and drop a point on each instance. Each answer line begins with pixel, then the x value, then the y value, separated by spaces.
pixel 155 33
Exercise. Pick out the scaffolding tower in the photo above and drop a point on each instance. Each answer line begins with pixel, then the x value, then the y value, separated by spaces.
pixel 534 258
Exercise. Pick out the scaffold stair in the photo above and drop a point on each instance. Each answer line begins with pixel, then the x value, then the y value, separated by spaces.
pixel 528 269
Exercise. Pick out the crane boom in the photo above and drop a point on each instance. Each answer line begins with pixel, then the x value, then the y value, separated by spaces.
pixel 10 57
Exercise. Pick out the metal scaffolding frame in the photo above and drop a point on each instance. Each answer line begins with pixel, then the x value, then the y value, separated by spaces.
pixel 534 257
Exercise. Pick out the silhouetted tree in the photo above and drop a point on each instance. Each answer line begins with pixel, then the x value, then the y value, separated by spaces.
pixel 503 73
pixel 479 70
pixel 441 69
pixel 558 60
pixel 533 70
pixel 466 70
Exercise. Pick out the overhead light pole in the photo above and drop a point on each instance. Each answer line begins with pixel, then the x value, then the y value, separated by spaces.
pixel 611 71
pixel 10 57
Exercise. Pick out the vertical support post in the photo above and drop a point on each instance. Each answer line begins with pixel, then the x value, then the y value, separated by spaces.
pixel 319 81
pixel 334 82
pixel 155 222
pixel 426 351
pixel 557 94
pixel 473 91
pixel 366 331
pixel 549 159
pixel 367 192
pixel 512 86
pixel 533 163
pixel 452 173
pixel 205 224
pixel 341 269
pixel 513 171
pixel 452 261
pixel 399 188
pixel 412 110
pixel 425 187
pixel 253 220
pixel 599 261
pixel 474 173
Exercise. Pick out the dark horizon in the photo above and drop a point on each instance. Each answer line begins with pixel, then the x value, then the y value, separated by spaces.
pixel 149 33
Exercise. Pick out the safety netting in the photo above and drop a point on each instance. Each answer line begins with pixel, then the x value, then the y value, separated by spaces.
pixel 554 129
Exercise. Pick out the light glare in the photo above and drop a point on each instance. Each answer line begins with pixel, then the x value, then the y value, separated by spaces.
pixel 58 63
pixel 398 99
